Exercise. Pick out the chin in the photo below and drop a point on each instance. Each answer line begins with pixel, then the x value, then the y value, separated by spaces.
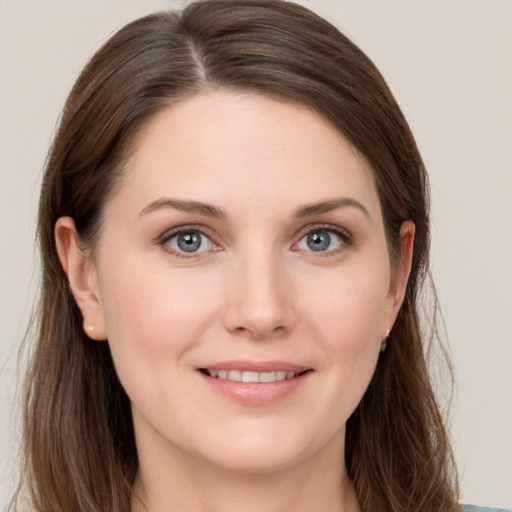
pixel 263 452
pixel 257 461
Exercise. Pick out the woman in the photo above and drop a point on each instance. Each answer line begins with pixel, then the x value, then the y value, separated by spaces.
pixel 236 203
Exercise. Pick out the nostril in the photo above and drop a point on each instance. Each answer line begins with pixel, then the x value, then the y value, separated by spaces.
pixel 259 331
pixel 279 330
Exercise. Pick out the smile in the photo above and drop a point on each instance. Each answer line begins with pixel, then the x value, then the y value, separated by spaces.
pixel 255 382
pixel 251 376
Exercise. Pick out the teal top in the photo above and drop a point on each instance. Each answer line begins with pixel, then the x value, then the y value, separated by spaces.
pixel 473 508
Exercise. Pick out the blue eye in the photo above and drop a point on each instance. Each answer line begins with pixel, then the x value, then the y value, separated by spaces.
pixel 189 241
pixel 321 240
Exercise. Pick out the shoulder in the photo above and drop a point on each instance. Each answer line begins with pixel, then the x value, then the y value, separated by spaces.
pixel 473 508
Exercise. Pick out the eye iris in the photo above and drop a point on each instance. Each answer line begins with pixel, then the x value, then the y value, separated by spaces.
pixel 319 241
pixel 189 242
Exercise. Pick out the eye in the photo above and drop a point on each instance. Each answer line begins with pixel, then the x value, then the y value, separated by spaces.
pixel 189 241
pixel 322 240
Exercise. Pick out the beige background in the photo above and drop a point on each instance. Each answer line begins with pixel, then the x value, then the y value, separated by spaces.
pixel 448 62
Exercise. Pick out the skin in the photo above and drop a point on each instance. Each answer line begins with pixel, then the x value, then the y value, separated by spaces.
pixel 254 291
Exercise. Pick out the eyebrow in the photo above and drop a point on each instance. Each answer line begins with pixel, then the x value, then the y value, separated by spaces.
pixel 213 211
pixel 184 206
pixel 330 205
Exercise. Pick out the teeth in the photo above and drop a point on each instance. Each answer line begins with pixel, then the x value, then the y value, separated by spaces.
pixel 234 375
pixel 248 376
pixel 267 377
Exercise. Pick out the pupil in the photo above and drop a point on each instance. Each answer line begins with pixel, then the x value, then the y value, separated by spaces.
pixel 319 241
pixel 189 242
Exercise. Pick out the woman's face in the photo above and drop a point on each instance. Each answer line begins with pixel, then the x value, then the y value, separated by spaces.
pixel 245 242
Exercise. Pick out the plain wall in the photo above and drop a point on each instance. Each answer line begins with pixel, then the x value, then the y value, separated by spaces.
pixel 449 63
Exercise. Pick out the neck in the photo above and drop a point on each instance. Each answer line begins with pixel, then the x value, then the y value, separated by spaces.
pixel 319 483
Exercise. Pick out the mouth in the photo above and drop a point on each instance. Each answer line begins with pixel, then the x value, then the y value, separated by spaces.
pixel 249 376
pixel 255 383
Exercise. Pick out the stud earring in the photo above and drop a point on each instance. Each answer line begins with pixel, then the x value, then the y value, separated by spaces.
pixel 384 343
pixel 90 328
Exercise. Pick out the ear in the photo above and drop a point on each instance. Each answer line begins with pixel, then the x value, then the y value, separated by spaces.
pixel 400 272
pixel 81 272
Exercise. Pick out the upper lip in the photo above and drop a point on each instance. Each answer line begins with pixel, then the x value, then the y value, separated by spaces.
pixel 256 366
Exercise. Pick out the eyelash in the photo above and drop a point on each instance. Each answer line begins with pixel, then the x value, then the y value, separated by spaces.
pixel 169 235
pixel 344 235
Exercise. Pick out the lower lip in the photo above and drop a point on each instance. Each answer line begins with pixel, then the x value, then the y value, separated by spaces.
pixel 256 393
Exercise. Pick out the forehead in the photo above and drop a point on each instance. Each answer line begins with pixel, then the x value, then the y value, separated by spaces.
pixel 221 146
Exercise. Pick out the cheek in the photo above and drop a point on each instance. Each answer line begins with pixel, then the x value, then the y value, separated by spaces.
pixel 156 314
pixel 356 334
pixel 155 320
pixel 344 315
pixel 350 307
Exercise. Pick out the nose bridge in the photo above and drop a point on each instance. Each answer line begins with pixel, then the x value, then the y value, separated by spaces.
pixel 259 300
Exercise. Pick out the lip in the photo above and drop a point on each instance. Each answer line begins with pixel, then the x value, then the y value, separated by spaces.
pixel 256 366
pixel 256 393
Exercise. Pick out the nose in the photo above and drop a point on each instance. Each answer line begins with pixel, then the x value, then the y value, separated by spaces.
pixel 259 297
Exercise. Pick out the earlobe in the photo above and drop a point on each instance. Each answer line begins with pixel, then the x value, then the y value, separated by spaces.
pixel 82 277
pixel 400 274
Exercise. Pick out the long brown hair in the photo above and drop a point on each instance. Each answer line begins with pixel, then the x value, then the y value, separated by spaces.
pixel 79 452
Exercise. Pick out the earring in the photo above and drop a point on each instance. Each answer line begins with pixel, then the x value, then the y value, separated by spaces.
pixel 384 343
pixel 90 328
